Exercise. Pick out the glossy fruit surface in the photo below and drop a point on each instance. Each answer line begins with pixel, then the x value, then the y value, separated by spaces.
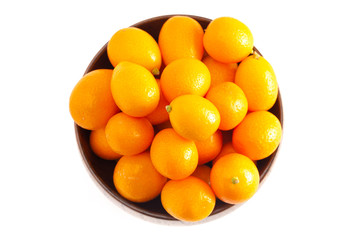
pixel 134 89
pixel 258 135
pixel 231 103
pixel 172 155
pixel 234 178
pixel 255 76
pixel 181 37
pixel 185 76
pixel 193 117
pixel 128 135
pixel 91 104
pixel 136 179
pixel 228 40
pixel 134 45
pixel 189 199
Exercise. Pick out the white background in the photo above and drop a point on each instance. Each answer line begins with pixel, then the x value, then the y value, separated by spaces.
pixel 315 189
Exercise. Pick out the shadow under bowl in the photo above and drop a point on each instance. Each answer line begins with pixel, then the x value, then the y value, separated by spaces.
pixel 102 170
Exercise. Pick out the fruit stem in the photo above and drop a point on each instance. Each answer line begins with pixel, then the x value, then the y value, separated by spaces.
pixel 235 180
pixel 155 71
pixel 168 108
pixel 256 55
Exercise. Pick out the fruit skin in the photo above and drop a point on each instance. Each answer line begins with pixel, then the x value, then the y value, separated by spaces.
pixel 228 40
pixel 91 104
pixel 100 146
pixel 208 149
pixel 136 179
pixel 189 199
pixel 134 45
pixel 258 135
pixel 172 155
pixel 181 37
pixel 255 76
pixel 185 76
pixel 234 178
pixel 134 89
pixel 202 172
pixel 194 117
pixel 220 72
pixel 159 115
pixel 231 102
pixel 226 149
pixel 128 135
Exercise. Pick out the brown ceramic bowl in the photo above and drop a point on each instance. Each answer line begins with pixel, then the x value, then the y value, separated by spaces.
pixel 102 170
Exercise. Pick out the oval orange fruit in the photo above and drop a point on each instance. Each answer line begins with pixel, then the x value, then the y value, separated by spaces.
pixel 134 89
pixel 193 117
pixel 255 76
pixel 228 40
pixel 185 76
pixel 181 37
pixel 189 199
pixel 172 155
pixel 134 45
pixel 128 135
pixel 234 178
pixel 91 104
pixel 258 135
pixel 231 102
pixel 136 179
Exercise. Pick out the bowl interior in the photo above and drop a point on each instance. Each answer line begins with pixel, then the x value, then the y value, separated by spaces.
pixel 102 170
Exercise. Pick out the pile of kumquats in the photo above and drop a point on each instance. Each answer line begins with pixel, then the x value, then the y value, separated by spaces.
pixel 166 133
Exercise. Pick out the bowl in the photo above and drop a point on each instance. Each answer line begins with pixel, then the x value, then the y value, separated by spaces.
pixel 102 170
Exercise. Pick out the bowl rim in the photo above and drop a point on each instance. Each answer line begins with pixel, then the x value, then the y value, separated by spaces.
pixel 119 199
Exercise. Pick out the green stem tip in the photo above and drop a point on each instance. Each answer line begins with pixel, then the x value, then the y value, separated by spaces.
pixel 235 180
pixel 155 71
pixel 168 108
